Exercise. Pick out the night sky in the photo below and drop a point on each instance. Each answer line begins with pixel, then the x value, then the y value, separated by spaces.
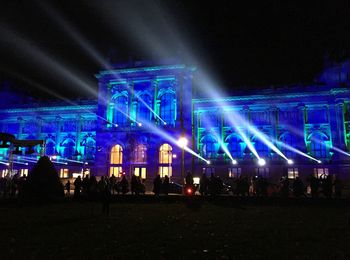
pixel 249 45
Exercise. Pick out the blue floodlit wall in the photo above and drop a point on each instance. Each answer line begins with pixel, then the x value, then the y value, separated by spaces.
pixel 312 119
pixel 69 132
pixel 142 108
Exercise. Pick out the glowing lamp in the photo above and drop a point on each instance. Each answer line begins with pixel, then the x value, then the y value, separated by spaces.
pixel 164 123
pixel 234 162
pixel 261 162
pixel 208 162
pixel 86 163
pixel 139 124
pixel 116 125
pixel 319 161
pixel 26 163
pixel 53 157
pixel 189 191
pixel 289 161
pixel 174 156
pixel 66 163
pixel 182 142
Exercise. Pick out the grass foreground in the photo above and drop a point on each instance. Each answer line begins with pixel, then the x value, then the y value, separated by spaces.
pixel 174 229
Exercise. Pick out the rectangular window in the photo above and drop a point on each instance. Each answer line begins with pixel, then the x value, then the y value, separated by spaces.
pixel 293 173
pixel 117 171
pixel 165 170
pixel 140 172
pixel 24 172
pixel 4 173
pixel 321 172
pixel 64 173
pixel 234 172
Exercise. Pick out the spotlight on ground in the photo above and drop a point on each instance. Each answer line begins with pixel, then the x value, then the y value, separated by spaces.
pixel 289 161
pixel 261 162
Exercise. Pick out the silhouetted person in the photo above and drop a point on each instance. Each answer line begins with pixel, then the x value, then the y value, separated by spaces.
pixel 133 184
pixel 77 186
pixel 124 185
pixel 203 185
pixel 189 179
pixel 327 186
pixel 165 185
pixel 298 188
pixel 106 198
pixel 338 187
pixel 112 182
pixel 157 183
pixel 92 192
pixel 67 188
pixel 85 185
pixel 314 185
pixel 140 187
pixel 284 191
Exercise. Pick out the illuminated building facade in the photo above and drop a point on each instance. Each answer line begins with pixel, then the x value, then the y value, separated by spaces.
pixel 142 110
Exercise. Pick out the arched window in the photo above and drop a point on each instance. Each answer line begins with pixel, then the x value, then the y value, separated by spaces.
pixel 165 160
pixel 209 146
pixel 89 149
pixel 318 145
pixel 120 109
pixel 140 154
pixel 289 140
pixel 234 145
pixel 165 154
pixel 68 148
pixel 50 147
pixel 167 107
pixel 116 160
pixel 143 108
pixel 261 148
pixel 117 154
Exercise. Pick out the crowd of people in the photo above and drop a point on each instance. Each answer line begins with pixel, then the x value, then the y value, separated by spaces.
pixel 243 186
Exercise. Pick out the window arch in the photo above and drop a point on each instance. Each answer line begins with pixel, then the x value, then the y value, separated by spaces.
pixel 209 146
pixel 143 112
pixel 234 145
pixel 165 160
pixel 140 154
pixel 116 154
pixel 289 140
pixel 89 149
pixel 120 109
pixel 50 147
pixel 168 107
pixel 68 148
pixel 318 145
pixel 166 154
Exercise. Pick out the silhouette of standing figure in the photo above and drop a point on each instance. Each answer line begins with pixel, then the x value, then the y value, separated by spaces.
pixel 157 182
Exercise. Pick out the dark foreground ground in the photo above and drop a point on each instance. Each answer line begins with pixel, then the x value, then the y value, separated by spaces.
pixel 174 228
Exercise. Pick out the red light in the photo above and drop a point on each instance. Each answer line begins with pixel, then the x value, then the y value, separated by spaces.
pixel 189 191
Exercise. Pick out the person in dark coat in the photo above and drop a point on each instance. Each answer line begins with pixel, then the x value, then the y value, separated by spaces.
pixel 125 185
pixel 77 187
pixel 165 185
pixel 134 184
pixel 67 188
pixel 157 183
pixel 203 185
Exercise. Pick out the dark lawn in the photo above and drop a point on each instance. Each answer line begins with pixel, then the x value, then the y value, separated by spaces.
pixel 173 230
